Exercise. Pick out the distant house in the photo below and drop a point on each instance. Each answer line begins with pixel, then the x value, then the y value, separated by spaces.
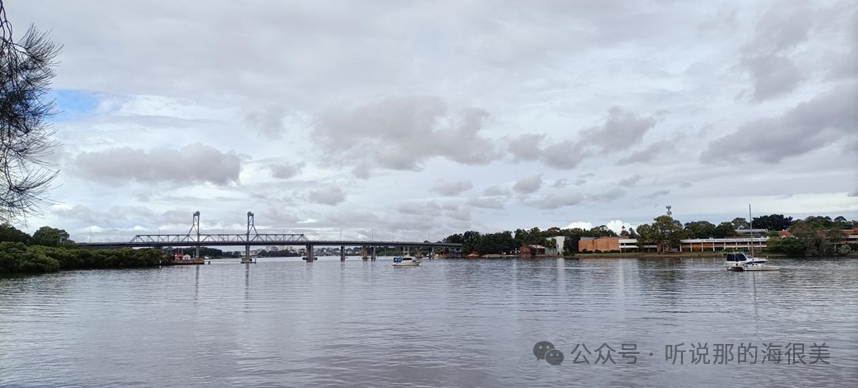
pixel 611 244
pixel 532 250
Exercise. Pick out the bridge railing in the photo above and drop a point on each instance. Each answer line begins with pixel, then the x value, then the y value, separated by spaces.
pixel 229 237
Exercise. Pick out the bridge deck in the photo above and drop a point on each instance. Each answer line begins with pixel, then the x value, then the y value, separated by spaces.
pixel 266 242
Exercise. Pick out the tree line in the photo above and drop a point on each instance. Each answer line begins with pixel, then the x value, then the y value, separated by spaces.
pixel 812 236
pixel 50 250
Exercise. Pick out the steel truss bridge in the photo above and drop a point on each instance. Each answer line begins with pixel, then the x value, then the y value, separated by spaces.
pixel 194 238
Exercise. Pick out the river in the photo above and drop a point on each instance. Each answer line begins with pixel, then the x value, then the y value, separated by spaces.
pixel 284 322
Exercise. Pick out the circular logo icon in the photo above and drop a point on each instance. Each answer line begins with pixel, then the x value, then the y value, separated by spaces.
pixel 554 357
pixel 540 348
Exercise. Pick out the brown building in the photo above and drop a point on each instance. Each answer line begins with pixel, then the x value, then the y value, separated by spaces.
pixel 532 250
pixel 601 244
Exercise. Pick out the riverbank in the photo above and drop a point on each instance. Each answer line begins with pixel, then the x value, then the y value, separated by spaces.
pixel 640 255
pixel 21 258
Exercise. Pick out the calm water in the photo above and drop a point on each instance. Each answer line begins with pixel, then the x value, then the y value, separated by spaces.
pixel 284 322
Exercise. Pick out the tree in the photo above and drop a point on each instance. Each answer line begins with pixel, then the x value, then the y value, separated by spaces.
pixel 470 240
pixel 739 223
pixel 49 237
pixel 789 245
pixel 772 222
pixel 26 71
pixel 724 230
pixel 12 234
pixel 700 229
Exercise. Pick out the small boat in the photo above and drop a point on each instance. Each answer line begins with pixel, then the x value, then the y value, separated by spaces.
pixel 741 262
pixel 406 261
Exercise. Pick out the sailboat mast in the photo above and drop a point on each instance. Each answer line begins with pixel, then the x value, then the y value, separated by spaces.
pixel 751 225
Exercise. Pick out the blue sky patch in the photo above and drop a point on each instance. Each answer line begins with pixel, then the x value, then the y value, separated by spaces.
pixel 73 104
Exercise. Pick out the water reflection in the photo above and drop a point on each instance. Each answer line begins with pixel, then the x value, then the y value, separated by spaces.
pixel 448 323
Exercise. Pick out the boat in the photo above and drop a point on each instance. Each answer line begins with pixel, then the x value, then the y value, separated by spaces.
pixel 741 262
pixel 406 261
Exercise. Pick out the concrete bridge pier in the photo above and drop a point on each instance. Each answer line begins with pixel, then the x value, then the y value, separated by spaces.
pixel 372 255
pixel 342 253
pixel 310 254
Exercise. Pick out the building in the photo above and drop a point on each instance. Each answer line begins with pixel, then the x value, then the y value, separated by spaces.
pixel 558 243
pixel 720 244
pixel 532 250
pixel 601 244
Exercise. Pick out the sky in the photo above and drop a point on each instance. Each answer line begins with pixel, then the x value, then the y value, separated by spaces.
pixel 415 120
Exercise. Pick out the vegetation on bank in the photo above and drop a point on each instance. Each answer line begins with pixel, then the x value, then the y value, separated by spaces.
pixel 50 250
pixel 812 236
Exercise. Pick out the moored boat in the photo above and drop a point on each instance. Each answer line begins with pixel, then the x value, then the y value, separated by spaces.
pixel 406 261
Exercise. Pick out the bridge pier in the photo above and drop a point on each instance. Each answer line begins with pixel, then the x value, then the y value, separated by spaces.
pixel 311 256
pixel 342 253
pixel 372 255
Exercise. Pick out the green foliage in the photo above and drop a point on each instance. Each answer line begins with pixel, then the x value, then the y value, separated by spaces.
pixel 700 229
pixel 788 245
pixel 19 258
pixel 724 230
pixel 665 232
pixel 773 222
pixel 845 249
pixel 739 223
pixel 49 237
pixel 12 234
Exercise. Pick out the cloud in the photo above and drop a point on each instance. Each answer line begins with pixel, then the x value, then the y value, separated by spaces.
pixel 527 146
pixel 450 189
pixel 495 191
pixel 620 130
pixel 630 181
pixel 560 183
pixel 486 202
pixel 286 170
pixel 607 196
pixel 765 56
pixel 554 201
pixel 193 163
pixel 268 122
pixel 656 194
pixel 528 185
pixel 827 118
pixel 649 153
pixel 407 131
pixel 430 208
pixel 330 196
pixel 579 225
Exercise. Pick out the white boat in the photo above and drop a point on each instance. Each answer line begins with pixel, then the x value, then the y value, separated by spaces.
pixel 406 261
pixel 742 262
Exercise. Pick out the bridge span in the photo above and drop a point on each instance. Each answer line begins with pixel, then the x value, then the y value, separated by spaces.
pixel 194 238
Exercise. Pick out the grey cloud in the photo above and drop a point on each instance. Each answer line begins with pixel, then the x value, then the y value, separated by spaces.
pixel 560 183
pixel 495 191
pixel 630 181
pixel 451 188
pixel 765 56
pixel 109 217
pixel 656 194
pixel 827 118
pixel 486 202
pixel 461 213
pixel 608 196
pixel 620 131
pixel 286 170
pixel 268 121
pixel 431 208
pixel 854 193
pixel 553 201
pixel 527 146
pixel 330 196
pixel 528 185
pixel 647 154
pixel 408 131
pixel 193 163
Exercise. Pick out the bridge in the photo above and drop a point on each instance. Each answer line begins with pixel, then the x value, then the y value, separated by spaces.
pixel 195 238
